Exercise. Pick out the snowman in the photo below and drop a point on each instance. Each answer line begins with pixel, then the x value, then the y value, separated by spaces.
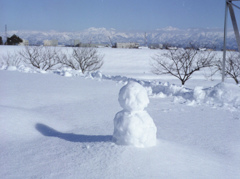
pixel 133 125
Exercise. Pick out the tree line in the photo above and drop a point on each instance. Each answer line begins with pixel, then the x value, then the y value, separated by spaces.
pixel 46 58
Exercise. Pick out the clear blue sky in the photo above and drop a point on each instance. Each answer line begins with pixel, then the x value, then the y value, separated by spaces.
pixel 125 15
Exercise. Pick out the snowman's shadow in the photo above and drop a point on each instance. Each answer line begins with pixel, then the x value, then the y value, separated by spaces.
pixel 50 132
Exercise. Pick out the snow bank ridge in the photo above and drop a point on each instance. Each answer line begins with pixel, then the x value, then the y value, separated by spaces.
pixel 221 95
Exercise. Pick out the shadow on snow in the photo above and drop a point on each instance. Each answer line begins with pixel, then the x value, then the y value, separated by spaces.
pixel 50 132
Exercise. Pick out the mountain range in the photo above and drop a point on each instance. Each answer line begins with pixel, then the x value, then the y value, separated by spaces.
pixel 207 37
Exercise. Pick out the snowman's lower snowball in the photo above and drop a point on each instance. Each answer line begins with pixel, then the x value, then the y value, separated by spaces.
pixel 136 128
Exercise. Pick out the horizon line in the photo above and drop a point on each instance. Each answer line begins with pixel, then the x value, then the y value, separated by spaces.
pixel 170 28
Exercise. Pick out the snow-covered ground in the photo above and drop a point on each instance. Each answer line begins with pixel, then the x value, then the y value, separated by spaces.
pixel 60 124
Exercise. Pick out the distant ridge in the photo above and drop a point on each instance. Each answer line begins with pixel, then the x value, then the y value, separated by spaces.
pixel 210 37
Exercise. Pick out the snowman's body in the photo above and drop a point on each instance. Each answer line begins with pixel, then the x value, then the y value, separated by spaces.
pixel 133 125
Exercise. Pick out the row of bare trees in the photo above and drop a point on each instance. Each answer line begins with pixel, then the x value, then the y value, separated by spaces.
pixel 180 63
pixel 45 58
pixel 183 63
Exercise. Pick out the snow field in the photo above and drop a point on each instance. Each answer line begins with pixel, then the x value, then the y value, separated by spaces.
pixel 57 127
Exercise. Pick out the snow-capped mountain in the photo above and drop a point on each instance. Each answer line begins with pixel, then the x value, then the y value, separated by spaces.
pixel 170 35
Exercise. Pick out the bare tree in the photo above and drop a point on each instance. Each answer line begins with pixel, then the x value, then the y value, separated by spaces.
pixel 181 63
pixel 11 59
pixel 44 58
pixel 210 72
pixel 83 58
pixel 67 60
pixel 232 66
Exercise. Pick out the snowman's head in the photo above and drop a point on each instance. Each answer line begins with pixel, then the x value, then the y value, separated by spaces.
pixel 133 97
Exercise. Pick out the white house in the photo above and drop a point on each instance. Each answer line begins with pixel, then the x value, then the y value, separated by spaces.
pixel 50 42
pixel 156 46
pixel 127 45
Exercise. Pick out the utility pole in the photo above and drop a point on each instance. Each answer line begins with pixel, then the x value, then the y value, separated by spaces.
pixel 229 6
pixel 145 38
pixel 6 34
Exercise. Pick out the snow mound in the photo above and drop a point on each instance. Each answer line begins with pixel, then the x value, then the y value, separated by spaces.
pixel 220 95
pixel 11 68
pixel 133 125
pixel 199 94
pixel 224 94
pixel 133 97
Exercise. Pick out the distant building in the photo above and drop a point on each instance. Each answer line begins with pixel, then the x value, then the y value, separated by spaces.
pixel 77 43
pixel 24 42
pixel 202 49
pixel 127 45
pixel 50 42
pixel 47 42
pixel 172 48
pixel 209 49
pixel 155 46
